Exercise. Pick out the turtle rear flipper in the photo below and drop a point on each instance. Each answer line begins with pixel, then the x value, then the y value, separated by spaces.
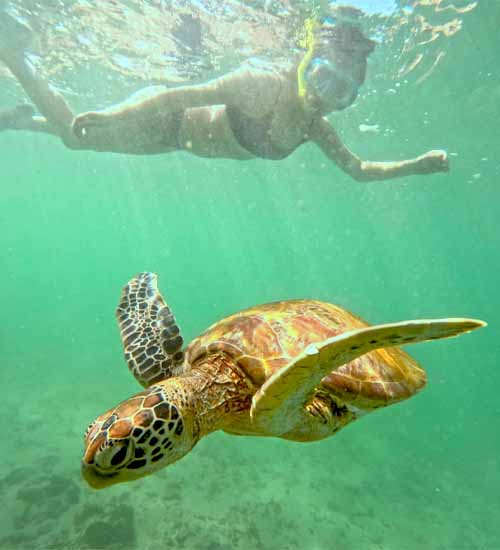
pixel 279 405
pixel 151 338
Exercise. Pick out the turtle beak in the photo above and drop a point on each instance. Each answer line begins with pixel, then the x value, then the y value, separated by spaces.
pixel 96 479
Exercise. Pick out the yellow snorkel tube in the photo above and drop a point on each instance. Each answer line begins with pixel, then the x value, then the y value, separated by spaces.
pixel 307 41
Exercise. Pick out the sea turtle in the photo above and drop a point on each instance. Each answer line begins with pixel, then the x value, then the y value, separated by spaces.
pixel 298 369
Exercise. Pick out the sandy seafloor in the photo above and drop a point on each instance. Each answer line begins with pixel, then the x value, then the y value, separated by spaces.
pixel 375 487
pixel 422 475
pixel 375 490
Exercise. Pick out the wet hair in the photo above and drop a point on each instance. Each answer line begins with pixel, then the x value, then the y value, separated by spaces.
pixel 343 37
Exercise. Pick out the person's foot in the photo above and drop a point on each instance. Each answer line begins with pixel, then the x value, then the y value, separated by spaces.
pixel 15 35
pixel 17 117
pixel 85 122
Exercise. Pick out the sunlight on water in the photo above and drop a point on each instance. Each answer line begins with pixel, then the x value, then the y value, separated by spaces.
pixel 373 6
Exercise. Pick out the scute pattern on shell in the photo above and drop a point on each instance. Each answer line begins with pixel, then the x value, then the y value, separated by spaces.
pixel 265 338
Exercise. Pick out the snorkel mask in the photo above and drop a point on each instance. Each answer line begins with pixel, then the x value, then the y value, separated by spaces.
pixel 334 89
pixel 333 67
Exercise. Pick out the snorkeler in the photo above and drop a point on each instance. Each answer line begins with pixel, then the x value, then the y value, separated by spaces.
pixel 265 111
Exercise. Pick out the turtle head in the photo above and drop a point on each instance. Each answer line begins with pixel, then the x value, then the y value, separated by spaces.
pixel 139 436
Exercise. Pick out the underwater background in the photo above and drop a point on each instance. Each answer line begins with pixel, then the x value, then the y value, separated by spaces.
pixel 225 235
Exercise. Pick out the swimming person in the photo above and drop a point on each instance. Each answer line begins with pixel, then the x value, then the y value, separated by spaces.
pixel 256 111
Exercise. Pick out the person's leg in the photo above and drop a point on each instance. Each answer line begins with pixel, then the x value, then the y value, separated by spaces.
pixel 151 137
pixel 23 117
pixel 15 39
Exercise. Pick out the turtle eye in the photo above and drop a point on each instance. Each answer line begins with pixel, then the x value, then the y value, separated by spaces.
pixel 113 454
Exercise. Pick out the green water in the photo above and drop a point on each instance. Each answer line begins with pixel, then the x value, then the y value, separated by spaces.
pixel 223 235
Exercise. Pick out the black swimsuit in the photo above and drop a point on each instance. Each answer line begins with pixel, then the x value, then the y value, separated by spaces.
pixel 253 134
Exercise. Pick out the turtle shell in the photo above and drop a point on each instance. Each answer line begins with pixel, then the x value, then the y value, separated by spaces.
pixel 265 338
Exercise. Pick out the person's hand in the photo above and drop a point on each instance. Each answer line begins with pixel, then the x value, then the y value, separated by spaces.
pixel 433 161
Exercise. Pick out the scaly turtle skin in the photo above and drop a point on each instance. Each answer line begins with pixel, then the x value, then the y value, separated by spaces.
pixel 299 370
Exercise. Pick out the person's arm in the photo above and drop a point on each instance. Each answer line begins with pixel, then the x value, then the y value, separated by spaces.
pixel 327 139
pixel 254 90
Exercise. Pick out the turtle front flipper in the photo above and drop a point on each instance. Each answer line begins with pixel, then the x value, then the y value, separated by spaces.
pixel 151 338
pixel 280 405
